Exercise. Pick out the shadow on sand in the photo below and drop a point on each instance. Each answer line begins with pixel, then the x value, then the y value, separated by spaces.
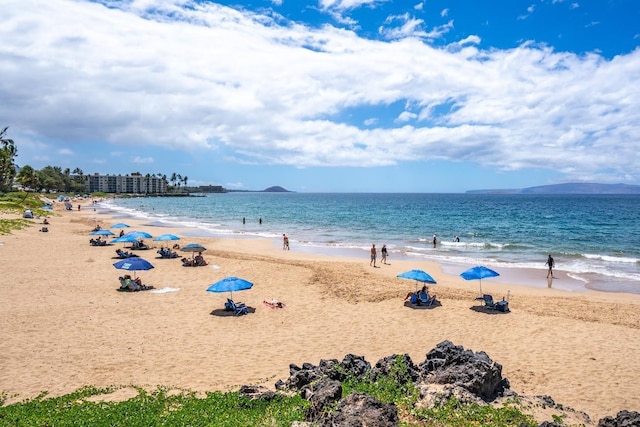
pixel 422 307
pixel 487 310
pixel 221 312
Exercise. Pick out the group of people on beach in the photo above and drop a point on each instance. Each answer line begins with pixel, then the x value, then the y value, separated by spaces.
pixel 128 284
pixel 374 255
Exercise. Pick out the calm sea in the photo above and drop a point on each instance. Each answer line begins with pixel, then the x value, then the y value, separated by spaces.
pixel 594 238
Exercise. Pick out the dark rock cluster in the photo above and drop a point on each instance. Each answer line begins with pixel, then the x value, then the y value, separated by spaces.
pixel 448 370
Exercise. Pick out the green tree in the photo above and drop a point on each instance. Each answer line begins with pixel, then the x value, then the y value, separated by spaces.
pixel 28 177
pixel 51 178
pixel 8 152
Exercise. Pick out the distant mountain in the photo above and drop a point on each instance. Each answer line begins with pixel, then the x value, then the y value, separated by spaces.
pixel 568 188
pixel 275 189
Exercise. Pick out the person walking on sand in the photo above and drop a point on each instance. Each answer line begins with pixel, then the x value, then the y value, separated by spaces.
pixel 551 263
pixel 374 255
pixel 285 242
pixel 383 254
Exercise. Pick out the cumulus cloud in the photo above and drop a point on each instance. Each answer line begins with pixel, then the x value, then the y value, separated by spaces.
pixel 205 78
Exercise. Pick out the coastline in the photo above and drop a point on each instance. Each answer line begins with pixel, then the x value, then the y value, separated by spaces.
pixel 581 265
pixel 66 326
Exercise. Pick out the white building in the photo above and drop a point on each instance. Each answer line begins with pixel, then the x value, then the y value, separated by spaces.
pixel 130 184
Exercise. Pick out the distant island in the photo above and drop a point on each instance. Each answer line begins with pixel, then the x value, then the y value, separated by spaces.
pixel 274 189
pixel 567 188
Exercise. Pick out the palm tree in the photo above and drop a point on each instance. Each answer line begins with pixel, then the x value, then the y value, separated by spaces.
pixel 185 179
pixel 28 177
pixel 8 152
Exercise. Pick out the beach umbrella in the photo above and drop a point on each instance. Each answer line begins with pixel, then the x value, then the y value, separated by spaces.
pixel 139 234
pixel 165 237
pixel 193 247
pixel 102 232
pixel 133 264
pixel 418 276
pixel 120 225
pixel 125 239
pixel 230 284
pixel 478 273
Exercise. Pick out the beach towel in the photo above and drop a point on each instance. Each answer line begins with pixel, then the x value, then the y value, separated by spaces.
pixel 165 290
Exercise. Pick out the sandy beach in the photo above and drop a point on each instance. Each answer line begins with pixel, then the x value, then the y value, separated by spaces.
pixel 64 325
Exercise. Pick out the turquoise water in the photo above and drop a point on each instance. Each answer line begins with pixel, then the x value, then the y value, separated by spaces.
pixel 594 238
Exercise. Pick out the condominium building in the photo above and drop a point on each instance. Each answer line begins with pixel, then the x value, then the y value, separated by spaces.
pixel 130 184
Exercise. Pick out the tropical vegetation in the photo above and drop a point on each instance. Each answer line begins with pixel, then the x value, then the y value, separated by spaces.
pixel 54 178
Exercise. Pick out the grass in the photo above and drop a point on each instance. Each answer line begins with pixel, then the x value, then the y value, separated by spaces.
pixel 157 408
pixel 16 204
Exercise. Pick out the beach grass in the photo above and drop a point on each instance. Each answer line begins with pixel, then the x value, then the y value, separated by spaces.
pixel 162 407
pixel 166 407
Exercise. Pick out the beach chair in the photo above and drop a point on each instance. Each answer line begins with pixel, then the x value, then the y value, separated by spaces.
pixel 424 299
pixel 167 253
pixel 123 254
pixel 491 304
pixel 237 307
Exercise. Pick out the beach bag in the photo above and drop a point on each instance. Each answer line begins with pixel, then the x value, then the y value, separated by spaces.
pixel 502 306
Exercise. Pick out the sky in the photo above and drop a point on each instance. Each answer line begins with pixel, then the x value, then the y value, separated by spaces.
pixel 328 95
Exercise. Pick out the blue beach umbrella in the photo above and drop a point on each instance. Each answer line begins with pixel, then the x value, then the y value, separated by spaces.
pixel 125 239
pixel 133 264
pixel 165 237
pixel 418 276
pixel 230 284
pixel 478 272
pixel 120 225
pixel 193 247
pixel 102 232
pixel 139 234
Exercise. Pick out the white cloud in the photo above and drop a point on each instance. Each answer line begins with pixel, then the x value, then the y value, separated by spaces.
pixel 444 12
pixel 406 116
pixel 419 6
pixel 211 80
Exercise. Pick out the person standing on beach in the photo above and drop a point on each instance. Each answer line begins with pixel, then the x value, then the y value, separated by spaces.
pixel 374 255
pixel 435 240
pixel 285 242
pixel 383 254
pixel 551 263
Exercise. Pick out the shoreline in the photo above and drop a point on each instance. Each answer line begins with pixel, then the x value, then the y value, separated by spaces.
pixel 65 326
pixel 573 277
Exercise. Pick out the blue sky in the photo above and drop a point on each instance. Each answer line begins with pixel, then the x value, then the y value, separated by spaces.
pixel 327 95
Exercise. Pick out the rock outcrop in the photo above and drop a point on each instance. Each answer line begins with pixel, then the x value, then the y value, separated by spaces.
pixel 447 371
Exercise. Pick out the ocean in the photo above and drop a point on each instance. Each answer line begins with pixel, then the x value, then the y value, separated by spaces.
pixel 595 239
